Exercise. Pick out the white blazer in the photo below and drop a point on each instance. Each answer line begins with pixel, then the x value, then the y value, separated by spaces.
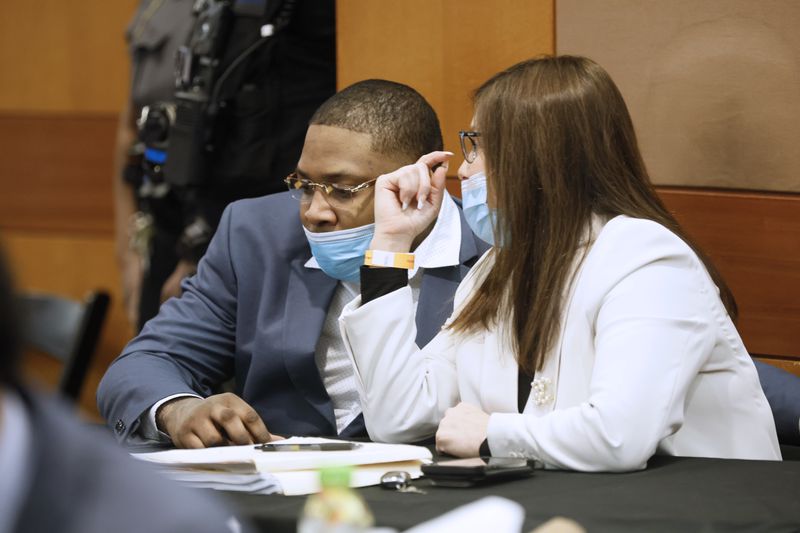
pixel 648 362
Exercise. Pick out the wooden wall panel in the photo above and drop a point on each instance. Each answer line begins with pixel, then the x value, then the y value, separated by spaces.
pixel 444 48
pixel 754 239
pixel 64 56
pixel 56 172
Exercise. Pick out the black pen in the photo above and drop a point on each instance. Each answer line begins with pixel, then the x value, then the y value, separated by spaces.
pixel 307 447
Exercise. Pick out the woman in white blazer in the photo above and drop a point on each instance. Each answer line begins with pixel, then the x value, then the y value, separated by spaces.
pixel 593 335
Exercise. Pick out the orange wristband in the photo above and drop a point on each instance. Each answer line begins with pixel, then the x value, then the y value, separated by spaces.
pixel 389 259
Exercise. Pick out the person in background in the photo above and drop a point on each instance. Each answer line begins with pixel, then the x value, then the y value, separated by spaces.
pixel 264 87
pixel 157 30
pixel 263 307
pixel 60 475
pixel 593 335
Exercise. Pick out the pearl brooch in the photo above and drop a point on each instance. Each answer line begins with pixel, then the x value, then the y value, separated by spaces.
pixel 541 390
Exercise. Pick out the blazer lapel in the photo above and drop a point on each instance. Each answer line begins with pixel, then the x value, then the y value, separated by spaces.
pixel 439 286
pixel 310 292
pixel 435 301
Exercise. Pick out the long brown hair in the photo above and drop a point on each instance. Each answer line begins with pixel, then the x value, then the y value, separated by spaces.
pixel 558 146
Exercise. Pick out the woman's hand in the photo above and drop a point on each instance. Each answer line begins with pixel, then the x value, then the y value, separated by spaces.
pixel 462 430
pixel 407 201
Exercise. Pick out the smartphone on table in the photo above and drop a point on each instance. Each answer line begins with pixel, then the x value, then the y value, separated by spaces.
pixel 476 470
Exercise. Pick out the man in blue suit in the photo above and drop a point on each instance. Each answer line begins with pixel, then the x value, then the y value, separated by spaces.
pixel 263 306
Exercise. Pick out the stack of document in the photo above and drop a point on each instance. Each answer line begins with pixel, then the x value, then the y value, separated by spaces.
pixel 249 469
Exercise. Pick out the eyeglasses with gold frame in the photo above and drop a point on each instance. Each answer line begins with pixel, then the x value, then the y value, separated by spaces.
pixel 303 189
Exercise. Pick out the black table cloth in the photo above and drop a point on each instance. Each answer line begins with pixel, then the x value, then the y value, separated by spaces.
pixel 672 494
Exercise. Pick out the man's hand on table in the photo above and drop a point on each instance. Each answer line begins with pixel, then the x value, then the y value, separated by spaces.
pixel 218 420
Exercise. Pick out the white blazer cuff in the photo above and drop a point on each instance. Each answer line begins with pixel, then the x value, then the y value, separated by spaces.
pixel 503 432
pixel 508 435
pixel 354 314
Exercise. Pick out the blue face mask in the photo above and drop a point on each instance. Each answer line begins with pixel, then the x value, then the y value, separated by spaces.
pixel 340 254
pixel 480 217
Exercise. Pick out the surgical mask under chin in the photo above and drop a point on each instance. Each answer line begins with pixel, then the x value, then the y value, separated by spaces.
pixel 480 217
pixel 340 254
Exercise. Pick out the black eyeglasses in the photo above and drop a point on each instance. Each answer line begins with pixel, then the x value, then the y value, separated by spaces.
pixel 469 144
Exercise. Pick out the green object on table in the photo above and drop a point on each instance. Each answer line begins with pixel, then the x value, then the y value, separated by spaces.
pixel 337 507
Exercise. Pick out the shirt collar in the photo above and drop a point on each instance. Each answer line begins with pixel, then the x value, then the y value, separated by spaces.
pixel 442 245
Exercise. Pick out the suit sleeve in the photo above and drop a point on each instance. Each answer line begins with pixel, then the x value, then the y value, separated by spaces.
pixel 782 390
pixel 188 348
pixel 404 390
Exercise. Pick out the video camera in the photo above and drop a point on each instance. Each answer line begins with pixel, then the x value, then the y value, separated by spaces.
pixel 177 139
pixel 196 71
pixel 154 125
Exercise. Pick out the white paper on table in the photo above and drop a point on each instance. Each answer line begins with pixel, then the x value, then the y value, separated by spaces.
pixel 301 482
pixel 246 469
pixel 248 459
pixel 492 513
pixel 256 483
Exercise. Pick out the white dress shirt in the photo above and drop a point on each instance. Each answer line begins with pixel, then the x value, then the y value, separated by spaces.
pixel 441 248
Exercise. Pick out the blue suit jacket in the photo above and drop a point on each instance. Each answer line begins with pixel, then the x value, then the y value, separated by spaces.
pixel 255 312
pixel 782 390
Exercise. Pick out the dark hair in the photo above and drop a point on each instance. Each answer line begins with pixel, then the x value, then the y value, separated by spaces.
pixel 559 146
pixel 400 120
pixel 9 326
